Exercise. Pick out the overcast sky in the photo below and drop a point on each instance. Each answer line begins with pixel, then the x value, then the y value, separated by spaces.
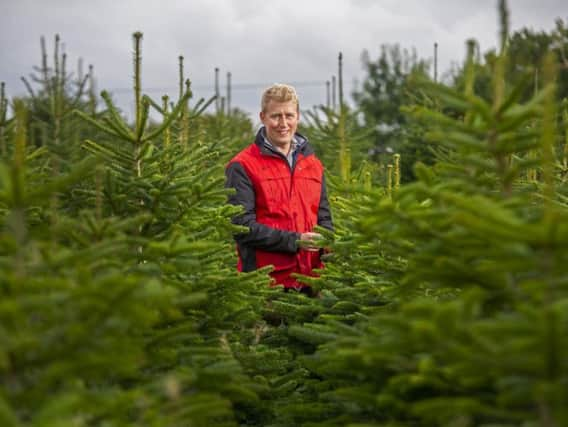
pixel 259 41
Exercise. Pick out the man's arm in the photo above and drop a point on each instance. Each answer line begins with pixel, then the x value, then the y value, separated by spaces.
pixel 324 212
pixel 259 236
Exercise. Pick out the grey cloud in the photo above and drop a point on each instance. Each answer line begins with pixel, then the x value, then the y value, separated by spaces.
pixel 259 41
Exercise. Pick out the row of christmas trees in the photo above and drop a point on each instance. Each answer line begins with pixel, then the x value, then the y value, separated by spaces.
pixel 443 302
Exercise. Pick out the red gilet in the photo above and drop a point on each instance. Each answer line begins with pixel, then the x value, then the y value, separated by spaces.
pixel 288 200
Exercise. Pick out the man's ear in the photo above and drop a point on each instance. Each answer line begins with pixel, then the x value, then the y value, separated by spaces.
pixel 262 116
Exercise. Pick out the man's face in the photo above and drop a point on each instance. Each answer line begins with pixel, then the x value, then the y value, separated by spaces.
pixel 281 121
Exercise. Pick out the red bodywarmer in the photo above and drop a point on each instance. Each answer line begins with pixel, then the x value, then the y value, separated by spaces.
pixel 287 201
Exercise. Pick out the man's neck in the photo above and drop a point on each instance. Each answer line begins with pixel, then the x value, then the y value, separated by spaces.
pixel 284 149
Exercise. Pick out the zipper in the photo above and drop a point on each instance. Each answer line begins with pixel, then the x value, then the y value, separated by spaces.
pixel 281 156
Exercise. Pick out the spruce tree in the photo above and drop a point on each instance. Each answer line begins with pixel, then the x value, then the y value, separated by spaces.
pixel 119 298
pixel 476 333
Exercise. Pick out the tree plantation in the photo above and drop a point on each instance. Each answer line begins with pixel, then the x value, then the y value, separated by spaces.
pixel 444 300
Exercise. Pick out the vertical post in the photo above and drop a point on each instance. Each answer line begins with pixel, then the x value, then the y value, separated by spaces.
pixel 184 134
pixel 469 75
pixel 56 94
pixel 344 148
pixel 137 78
pixel 327 94
pixel 340 78
pixel 228 93
pixel 63 79
pixel 44 69
pixel 80 74
pixel 333 86
pixel 503 25
pixel 503 160
pixel 167 135
pixel 435 61
pixel 92 91
pixel 3 115
pixel 56 60
pixel 18 224
pixel 217 95
pixel 181 78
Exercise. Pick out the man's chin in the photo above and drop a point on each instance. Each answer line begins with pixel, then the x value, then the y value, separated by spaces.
pixel 282 142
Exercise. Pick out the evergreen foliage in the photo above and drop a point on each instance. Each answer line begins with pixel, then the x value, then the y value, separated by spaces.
pixel 118 286
pixel 443 301
pixel 54 93
pixel 475 333
pixel 526 51
pixel 387 87
pixel 339 140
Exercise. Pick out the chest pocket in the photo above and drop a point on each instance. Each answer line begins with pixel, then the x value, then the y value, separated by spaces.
pixel 273 191
pixel 308 181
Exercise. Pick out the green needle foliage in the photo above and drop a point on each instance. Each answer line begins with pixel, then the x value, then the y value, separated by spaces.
pixel 443 301
pixel 475 335
pixel 66 331
pixel 54 93
pixel 340 142
pixel 120 298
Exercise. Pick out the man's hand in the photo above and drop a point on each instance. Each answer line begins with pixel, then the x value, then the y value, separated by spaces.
pixel 309 241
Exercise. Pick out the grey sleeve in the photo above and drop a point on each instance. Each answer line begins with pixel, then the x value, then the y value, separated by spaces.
pixel 259 235
pixel 324 211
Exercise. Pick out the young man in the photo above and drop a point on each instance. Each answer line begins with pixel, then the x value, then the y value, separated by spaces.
pixel 280 183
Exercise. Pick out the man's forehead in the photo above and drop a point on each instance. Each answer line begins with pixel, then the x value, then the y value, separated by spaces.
pixel 280 107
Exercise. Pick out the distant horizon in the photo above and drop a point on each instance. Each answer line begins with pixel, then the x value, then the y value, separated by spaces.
pixel 245 99
pixel 259 43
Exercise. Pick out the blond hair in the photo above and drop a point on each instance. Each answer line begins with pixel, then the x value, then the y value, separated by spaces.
pixel 280 93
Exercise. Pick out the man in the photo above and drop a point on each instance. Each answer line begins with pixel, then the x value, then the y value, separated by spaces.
pixel 280 183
